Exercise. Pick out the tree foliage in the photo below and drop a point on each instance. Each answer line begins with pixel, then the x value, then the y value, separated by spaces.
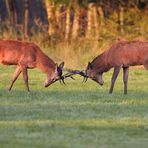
pixel 70 19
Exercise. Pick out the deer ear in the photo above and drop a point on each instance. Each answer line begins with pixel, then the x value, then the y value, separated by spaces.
pixel 89 65
pixel 56 66
pixel 61 65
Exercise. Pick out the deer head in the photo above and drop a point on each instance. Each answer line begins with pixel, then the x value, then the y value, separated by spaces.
pixel 90 72
pixel 94 73
pixel 57 75
pixel 54 75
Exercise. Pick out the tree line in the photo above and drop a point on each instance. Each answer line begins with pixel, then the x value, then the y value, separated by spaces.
pixel 68 19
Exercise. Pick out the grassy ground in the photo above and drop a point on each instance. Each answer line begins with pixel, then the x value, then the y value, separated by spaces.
pixel 74 116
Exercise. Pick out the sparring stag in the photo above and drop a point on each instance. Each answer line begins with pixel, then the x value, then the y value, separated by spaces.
pixel 120 55
pixel 26 55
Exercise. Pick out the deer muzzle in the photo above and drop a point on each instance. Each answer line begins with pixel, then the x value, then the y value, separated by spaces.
pixel 99 80
pixel 47 83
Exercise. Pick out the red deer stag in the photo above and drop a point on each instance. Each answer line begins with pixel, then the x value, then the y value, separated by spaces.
pixel 120 55
pixel 27 55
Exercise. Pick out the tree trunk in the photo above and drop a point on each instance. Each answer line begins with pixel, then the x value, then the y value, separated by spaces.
pixel 10 20
pixel 96 25
pixel 59 19
pixel 89 21
pixel 8 11
pixel 15 15
pixel 101 14
pixel 120 17
pixel 68 24
pixel 26 18
pixel 63 20
pixel 49 8
pixel 76 20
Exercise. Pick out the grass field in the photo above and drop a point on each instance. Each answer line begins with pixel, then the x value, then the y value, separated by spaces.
pixel 74 116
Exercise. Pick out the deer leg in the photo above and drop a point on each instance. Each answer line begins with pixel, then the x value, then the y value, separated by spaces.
pixel 15 76
pixel 146 64
pixel 25 75
pixel 125 78
pixel 114 77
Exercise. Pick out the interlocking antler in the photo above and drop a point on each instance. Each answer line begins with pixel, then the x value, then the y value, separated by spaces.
pixel 80 72
pixel 67 75
pixel 62 78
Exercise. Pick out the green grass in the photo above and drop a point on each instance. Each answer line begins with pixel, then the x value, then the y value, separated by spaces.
pixel 73 116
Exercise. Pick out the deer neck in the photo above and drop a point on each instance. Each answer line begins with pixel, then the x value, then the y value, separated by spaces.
pixel 46 65
pixel 100 62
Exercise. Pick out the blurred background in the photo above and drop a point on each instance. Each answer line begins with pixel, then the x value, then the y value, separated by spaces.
pixel 75 31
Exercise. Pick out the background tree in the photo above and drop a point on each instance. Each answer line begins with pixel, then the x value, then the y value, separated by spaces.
pixel 26 18
pixel 71 19
pixel 76 19
pixel 10 19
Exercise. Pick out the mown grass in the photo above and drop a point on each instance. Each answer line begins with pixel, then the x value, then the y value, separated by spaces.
pixel 74 116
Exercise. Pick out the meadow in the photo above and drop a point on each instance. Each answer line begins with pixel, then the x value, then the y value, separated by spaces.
pixel 74 116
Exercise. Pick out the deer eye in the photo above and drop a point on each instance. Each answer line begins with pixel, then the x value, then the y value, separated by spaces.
pixel 53 79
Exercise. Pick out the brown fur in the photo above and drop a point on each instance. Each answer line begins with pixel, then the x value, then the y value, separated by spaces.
pixel 122 54
pixel 25 55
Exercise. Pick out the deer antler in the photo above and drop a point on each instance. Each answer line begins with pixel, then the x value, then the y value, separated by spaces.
pixel 67 75
pixel 80 72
